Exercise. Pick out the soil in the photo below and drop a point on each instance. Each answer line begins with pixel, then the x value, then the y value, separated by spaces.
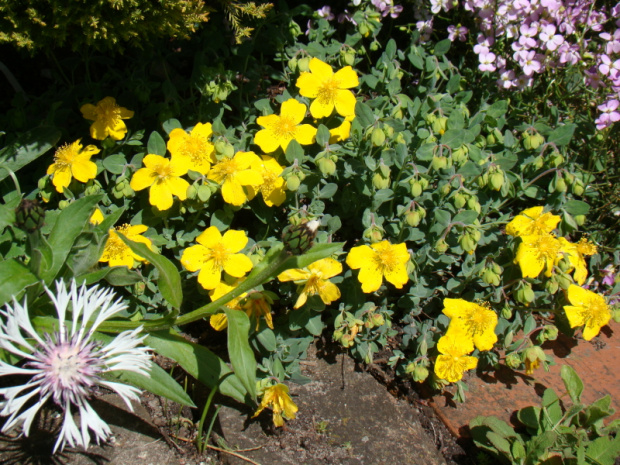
pixel 347 415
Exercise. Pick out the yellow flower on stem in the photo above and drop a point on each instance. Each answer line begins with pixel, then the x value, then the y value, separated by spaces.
pixel 219 321
pixel 235 173
pixel 273 184
pixel 473 320
pixel 576 253
pixel 163 178
pixel 454 360
pixel 315 280
pixel 377 261
pixel 215 253
pixel 588 309
pixel 196 146
pixel 279 131
pixel 328 89
pixel 258 304
pixel 71 161
pixel 277 398
pixel 117 253
pixel 108 119
pixel 538 252
pixel 532 222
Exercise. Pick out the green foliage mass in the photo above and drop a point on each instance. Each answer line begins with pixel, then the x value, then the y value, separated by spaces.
pixel 111 24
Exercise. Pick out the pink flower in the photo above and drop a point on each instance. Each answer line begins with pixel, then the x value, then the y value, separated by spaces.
pixel 528 60
pixel 609 68
pixel 506 78
pixel 326 12
pixel 459 32
pixel 486 61
pixel 609 114
pixel 551 40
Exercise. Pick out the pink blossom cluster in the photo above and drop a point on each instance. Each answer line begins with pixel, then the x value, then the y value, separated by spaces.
pixel 518 39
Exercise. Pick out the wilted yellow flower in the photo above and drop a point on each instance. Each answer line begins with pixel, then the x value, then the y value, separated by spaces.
pixel 117 253
pixel 315 280
pixel 589 309
pixel 71 161
pixel 279 131
pixel 532 222
pixel 108 119
pixel 454 360
pixel 258 304
pixel 273 184
pixel 538 252
pixel 196 146
pixel 163 178
pixel 328 89
pixel 277 398
pixel 473 320
pixel 576 253
pixel 377 261
pixel 215 253
pixel 235 173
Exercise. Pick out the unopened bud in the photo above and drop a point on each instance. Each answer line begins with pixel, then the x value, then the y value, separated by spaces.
pixel 299 238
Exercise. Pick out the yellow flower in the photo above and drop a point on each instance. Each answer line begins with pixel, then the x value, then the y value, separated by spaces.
pixel 588 308
pixel 454 360
pixel 70 161
pixel 537 252
pixel 531 366
pixel 215 253
pixel 576 253
pixel 342 132
pixel 532 222
pixel 280 402
pixel 108 119
pixel 474 320
pixel 97 217
pixel 328 89
pixel 280 130
pixel 117 253
pixel 233 174
pixel 219 321
pixel 195 146
pixel 163 178
pixel 273 184
pixel 315 280
pixel 380 260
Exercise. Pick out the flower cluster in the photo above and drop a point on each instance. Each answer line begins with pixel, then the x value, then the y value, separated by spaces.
pixel 471 325
pixel 66 365
pixel 541 250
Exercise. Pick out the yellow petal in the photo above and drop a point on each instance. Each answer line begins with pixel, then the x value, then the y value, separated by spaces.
pixel 249 178
pixel 293 109
pixel 178 187
pixel 219 322
pixel 294 274
pixel 320 108
pixel 370 278
pixel 345 102
pixel 347 78
pixel 329 292
pixel 266 140
pixel 88 111
pixel 237 265
pixel 83 169
pixel 319 68
pixel 233 193
pixel 61 178
pixel 142 179
pixel 308 84
pixel 235 240
pixel 210 237
pixel 397 276
pixel 328 267
pixel 209 277
pixel 160 196
pixel 359 256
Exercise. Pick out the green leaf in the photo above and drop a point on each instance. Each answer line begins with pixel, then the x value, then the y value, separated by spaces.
pixel 328 191
pixel 158 381
pixel 26 148
pixel 604 450
pixel 561 135
pixel 442 217
pixel 115 164
pixel 171 124
pixel 364 114
pixel 322 135
pixel 466 217
pixel 14 278
pixel 67 228
pixel 294 151
pixel 156 144
pixel 169 281
pixel 498 109
pixel 574 385
pixel 199 362
pixel 576 207
pixel 453 138
pixel 239 350
pixel 115 275
pixel 442 47
pixel 530 417
pixel 500 443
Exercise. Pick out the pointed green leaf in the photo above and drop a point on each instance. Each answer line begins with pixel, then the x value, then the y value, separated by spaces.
pixel 156 144
pixel 26 148
pixel 14 278
pixel 364 114
pixel 169 282
pixel 573 383
pixel 239 350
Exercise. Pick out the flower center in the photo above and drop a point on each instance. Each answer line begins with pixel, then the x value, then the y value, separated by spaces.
pixel 327 92
pixel 162 172
pixel 547 247
pixel 64 156
pixel 106 111
pixel 478 321
pixel 223 170
pixel 196 148
pixel 596 314
pixel 285 129
pixel 67 370
pixel 115 247
pixel 385 260
pixel 219 254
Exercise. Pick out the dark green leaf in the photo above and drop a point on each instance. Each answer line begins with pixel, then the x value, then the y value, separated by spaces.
pixel 328 191
pixel 574 385
pixel 442 47
pixel 156 144
pixel 239 350
pixel 561 135
pixel 364 114
pixel 322 135
pixel 14 278
pixel 294 151
pixel 26 148
pixel 115 164
pixel 576 207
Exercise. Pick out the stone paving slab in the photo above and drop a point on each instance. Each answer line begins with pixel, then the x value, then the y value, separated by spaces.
pixel 363 424
pixel 503 393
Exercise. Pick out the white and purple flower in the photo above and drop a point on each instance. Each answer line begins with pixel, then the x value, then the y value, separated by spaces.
pixel 66 365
